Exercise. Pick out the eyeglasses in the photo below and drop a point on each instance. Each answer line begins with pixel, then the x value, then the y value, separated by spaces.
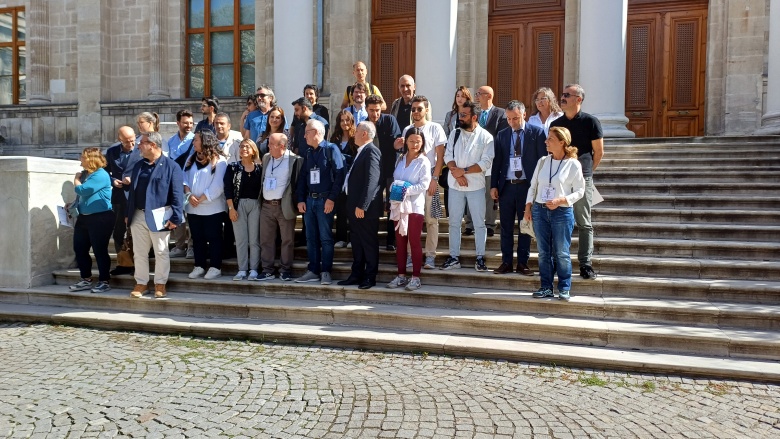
pixel 310 131
pixel 568 95
pixel 262 95
pixel 462 115
pixel 418 109
pixel 540 99
pixel 245 146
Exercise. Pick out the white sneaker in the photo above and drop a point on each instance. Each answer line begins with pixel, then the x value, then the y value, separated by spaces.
pixel 190 253
pixel 398 282
pixel 340 244
pixel 196 273
pixel 177 253
pixel 252 275
pixel 430 262
pixel 213 273
pixel 241 275
pixel 349 245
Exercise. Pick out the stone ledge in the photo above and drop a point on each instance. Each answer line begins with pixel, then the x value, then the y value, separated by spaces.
pixel 31 111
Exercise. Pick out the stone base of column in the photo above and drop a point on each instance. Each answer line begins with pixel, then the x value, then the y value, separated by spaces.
pixel 39 100
pixel 770 124
pixel 158 94
pixel 614 125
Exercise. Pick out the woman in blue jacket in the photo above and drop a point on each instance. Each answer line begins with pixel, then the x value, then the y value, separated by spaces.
pixel 95 221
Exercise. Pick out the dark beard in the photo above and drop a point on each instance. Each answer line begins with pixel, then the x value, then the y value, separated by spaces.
pixel 466 125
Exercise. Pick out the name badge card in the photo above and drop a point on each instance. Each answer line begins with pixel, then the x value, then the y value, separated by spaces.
pixel 516 164
pixel 548 193
pixel 314 176
pixel 270 183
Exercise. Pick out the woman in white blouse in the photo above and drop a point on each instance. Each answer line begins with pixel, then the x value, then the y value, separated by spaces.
pixel 546 109
pixel 205 203
pixel 556 185
pixel 413 170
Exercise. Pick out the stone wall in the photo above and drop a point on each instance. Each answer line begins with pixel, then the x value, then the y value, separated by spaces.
pixel 39 130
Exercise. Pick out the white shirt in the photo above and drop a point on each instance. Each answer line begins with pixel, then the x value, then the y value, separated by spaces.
pixel 536 120
pixel 230 146
pixel 434 136
pixel 203 181
pixel 472 148
pixel 418 173
pixel 565 176
pixel 280 170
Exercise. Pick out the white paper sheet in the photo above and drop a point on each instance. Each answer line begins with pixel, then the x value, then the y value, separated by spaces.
pixel 65 220
pixel 161 216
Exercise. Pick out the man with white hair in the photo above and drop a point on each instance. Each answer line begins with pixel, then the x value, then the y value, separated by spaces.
pixel 321 179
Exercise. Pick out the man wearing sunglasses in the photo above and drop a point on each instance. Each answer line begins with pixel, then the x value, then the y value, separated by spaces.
pixel 587 136
pixel 256 120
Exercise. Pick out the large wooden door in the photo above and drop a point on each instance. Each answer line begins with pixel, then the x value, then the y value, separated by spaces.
pixel 665 68
pixel 525 40
pixel 392 44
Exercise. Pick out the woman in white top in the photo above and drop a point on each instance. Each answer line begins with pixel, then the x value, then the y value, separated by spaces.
pixel 414 169
pixel 205 203
pixel 556 185
pixel 546 109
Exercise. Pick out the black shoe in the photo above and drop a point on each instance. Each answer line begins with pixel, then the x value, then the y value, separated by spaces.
pixel 390 248
pixel 286 276
pixel 366 284
pixel 587 272
pixel 491 232
pixel 121 270
pixel 468 232
pixel 349 281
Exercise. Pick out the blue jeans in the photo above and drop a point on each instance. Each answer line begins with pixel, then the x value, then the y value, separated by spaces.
pixel 319 233
pixel 553 229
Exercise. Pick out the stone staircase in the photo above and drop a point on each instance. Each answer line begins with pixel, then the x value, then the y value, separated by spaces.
pixel 687 247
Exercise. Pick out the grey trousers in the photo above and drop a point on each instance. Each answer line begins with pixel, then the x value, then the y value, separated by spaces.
pixel 582 217
pixel 247 232
pixel 271 216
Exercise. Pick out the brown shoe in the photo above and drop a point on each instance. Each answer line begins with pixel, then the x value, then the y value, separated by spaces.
pixel 503 269
pixel 139 290
pixel 159 291
pixel 524 270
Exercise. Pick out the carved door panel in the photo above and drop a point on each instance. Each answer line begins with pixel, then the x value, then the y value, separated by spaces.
pixel 392 44
pixel 665 63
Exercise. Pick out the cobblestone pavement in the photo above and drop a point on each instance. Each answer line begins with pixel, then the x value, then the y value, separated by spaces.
pixel 58 382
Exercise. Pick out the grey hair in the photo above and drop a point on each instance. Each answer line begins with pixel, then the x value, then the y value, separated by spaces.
pixel 154 137
pixel 317 125
pixel 578 88
pixel 515 105
pixel 225 115
pixel 368 127
pixel 270 92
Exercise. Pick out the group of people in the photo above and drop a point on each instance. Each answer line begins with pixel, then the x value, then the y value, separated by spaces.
pixel 242 190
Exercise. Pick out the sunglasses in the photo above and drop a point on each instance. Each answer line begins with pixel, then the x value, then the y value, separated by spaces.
pixel 568 95
pixel 261 95
pixel 418 109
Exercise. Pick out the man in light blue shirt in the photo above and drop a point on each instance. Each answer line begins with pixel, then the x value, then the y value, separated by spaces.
pixel 179 148
pixel 256 120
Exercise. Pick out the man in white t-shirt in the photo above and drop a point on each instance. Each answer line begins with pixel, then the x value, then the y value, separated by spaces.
pixel 435 141
pixel 468 159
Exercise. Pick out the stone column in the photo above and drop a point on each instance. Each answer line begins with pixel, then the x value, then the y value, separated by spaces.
pixel 90 69
pixel 294 41
pixel 38 46
pixel 602 68
pixel 770 122
pixel 436 53
pixel 158 85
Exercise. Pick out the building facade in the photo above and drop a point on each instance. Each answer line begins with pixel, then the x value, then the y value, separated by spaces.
pixel 73 71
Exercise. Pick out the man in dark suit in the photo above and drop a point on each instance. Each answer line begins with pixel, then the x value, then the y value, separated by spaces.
pixel 364 206
pixel 154 208
pixel 387 131
pixel 493 120
pixel 517 149
pixel 120 159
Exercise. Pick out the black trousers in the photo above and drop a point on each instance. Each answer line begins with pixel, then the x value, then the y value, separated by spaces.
pixel 365 246
pixel 93 231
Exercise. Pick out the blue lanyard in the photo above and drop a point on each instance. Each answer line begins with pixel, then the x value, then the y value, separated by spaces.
pixel 273 160
pixel 556 172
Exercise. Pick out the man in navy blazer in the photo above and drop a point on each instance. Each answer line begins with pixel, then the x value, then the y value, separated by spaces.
pixel 364 207
pixel 517 149
pixel 154 208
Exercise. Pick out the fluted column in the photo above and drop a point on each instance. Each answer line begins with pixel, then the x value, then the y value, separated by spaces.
pixel 436 52
pixel 294 38
pixel 158 84
pixel 38 46
pixel 770 121
pixel 602 69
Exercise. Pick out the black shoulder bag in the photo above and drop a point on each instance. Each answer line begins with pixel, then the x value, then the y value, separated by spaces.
pixel 445 171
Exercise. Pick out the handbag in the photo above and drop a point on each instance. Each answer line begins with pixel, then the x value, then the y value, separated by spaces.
pixel 527 227
pixel 125 256
pixel 445 171
pixel 73 208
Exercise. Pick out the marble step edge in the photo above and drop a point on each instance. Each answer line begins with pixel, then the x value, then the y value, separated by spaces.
pixel 490 288
pixel 406 341
pixel 215 294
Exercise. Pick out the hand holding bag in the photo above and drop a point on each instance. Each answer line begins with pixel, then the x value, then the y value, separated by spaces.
pixel 125 256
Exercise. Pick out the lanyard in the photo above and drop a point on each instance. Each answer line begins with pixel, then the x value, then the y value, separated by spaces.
pixel 556 172
pixel 273 160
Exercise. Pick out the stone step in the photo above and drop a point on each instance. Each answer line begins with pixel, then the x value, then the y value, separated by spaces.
pixel 718 202
pixel 703 187
pixel 723 176
pixel 607 285
pixel 679 216
pixel 654 337
pixel 402 340
pixel 635 159
pixel 692 167
pixel 692 231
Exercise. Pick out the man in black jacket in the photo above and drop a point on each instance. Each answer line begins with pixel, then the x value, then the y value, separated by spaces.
pixel 120 158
